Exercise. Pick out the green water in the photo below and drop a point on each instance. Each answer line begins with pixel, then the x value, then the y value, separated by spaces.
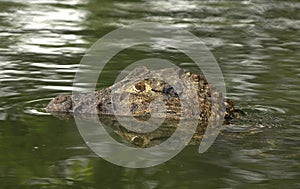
pixel 256 43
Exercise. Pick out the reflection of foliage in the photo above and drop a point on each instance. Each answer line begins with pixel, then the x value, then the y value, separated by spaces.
pixel 73 172
pixel 44 151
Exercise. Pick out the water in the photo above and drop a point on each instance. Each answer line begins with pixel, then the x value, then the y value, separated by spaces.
pixel 256 44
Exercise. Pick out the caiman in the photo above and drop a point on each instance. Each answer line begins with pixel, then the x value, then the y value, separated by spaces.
pixel 135 94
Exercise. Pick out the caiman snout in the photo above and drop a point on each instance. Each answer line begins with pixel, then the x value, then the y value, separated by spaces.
pixel 60 103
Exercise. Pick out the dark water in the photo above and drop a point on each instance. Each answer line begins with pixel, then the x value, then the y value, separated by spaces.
pixel 256 43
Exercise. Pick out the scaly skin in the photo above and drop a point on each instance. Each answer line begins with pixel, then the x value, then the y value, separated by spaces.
pixel 141 93
pixel 137 93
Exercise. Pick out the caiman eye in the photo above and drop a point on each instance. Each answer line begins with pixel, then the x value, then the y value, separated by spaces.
pixel 139 87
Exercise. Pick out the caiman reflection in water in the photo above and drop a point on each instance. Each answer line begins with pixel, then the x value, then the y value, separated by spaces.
pixel 136 94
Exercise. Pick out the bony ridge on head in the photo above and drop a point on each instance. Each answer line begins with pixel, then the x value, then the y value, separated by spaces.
pixel 139 87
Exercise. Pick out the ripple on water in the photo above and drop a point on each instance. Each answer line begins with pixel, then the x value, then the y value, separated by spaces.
pixel 36 107
pixel 257 118
pixel 8 91
pixel 270 109
pixel 63 88
pixel 3 116
pixel 45 25
pixel 51 65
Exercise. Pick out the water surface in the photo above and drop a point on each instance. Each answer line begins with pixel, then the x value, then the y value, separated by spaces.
pixel 256 44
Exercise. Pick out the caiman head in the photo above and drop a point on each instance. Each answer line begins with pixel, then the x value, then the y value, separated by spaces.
pixel 152 87
pixel 163 91
pixel 143 92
